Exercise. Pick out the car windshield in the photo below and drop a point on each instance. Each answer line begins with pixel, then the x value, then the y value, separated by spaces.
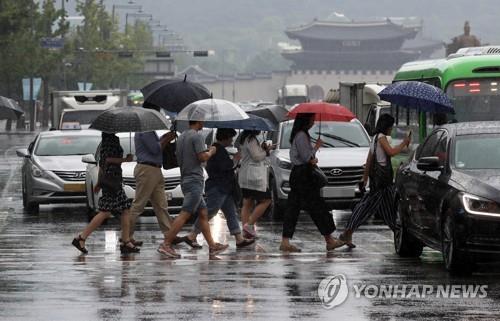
pixel 84 117
pixel 333 134
pixel 67 145
pixel 468 147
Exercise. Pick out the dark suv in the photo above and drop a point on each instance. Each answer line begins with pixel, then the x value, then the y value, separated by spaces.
pixel 448 196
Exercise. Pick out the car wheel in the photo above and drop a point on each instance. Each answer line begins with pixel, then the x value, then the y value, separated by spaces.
pixel 405 244
pixel 277 208
pixel 30 207
pixel 91 211
pixel 455 260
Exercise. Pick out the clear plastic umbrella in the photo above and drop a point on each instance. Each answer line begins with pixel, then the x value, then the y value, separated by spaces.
pixel 212 110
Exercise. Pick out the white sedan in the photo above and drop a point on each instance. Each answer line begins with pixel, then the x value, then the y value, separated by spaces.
pixel 172 178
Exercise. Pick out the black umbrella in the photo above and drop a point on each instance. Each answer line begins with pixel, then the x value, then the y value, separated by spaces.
pixel 274 113
pixel 9 109
pixel 129 119
pixel 173 94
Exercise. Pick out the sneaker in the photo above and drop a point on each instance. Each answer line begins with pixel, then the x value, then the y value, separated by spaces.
pixel 218 248
pixel 168 251
pixel 248 232
pixel 333 244
pixel 290 248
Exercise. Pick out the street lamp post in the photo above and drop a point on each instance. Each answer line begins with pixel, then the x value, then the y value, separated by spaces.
pixel 135 15
pixel 123 6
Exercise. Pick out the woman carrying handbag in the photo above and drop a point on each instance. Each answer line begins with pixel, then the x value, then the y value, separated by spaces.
pixel 378 168
pixel 113 201
pixel 253 180
pixel 306 181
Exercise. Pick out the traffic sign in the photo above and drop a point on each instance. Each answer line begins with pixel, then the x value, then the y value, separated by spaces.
pixel 37 83
pixel 52 43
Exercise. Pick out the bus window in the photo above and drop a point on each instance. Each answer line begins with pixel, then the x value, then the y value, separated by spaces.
pixel 475 99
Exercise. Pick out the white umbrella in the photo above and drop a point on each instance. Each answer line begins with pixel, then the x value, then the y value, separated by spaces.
pixel 212 110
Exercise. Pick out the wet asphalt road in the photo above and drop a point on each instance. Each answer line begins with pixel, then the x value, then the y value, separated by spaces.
pixel 42 277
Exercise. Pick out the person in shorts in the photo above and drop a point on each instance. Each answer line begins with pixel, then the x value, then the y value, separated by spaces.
pixel 191 154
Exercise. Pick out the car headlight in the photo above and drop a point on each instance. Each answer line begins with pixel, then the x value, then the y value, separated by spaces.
pixel 36 171
pixel 480 206
pixel 284 164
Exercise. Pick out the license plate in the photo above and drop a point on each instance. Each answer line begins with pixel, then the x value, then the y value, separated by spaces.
pixel 337 192
pixel 75 187
pixel 169 196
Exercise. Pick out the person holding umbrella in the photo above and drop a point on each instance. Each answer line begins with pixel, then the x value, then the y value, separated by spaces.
pixel 114 201
pixel 150 184
pixel 378 168
pixel 304 194
pixel 191 153
pixel 220 190
pixel 253 180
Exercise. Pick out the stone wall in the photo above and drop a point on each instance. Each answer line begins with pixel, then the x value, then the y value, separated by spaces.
pixel 265 87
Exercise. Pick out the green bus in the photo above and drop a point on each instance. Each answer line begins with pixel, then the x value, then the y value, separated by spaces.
pixel 470 78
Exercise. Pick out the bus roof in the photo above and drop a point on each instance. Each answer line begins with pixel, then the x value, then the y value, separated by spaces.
pixel 452 68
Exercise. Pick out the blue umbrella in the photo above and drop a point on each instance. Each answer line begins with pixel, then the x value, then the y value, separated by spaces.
pixel 417 95
pixel 252 123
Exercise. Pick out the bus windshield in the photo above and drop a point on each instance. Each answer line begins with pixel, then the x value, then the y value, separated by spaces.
pixel 475 99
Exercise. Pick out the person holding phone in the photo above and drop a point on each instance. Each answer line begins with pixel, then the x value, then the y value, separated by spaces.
pixel 378 168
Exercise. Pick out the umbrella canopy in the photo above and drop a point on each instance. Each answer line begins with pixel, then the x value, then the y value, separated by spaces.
pixel 417 95
pixel 129 119
pixel 251 123
pixel 323 111
pixel 274 113
pixel 9 109
pixel 173 94
pixel 210 110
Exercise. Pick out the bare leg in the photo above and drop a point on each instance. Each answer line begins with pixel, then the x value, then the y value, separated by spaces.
pixel 205 227
pixel 125 220
pixel 176 226
pixel 258 211
pixel 246 210
pixel 95 223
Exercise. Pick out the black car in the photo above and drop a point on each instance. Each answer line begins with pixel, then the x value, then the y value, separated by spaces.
pixel 448 196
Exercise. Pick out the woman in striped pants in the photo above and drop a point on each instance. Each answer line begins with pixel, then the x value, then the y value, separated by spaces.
pixel 378 168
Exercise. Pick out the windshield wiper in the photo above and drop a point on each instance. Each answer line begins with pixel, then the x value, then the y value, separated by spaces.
pixel 314 140
pixel 341 139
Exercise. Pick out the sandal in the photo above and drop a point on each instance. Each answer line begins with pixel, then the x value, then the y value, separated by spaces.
pixel 218 248
pixel 128 247
pixel 191 243
pixel 136 243
pixel 245 242
pixel 76 243
pixel 347 240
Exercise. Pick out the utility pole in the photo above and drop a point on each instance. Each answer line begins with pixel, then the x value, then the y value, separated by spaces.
pixel 32 100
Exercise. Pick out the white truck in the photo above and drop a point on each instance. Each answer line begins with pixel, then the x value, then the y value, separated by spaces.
pixel 77 109
pixel 290 95
pixel 363 100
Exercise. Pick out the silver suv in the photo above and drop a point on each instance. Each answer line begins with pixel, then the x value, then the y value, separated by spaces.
pixel 342 159
pixel 52 171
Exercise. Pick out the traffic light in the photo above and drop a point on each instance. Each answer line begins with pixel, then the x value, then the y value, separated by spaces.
pixel 200 53
pixel 163 54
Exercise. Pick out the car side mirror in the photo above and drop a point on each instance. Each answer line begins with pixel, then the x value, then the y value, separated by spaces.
pixel 23 152
pixel 429 164
pixel 89 159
